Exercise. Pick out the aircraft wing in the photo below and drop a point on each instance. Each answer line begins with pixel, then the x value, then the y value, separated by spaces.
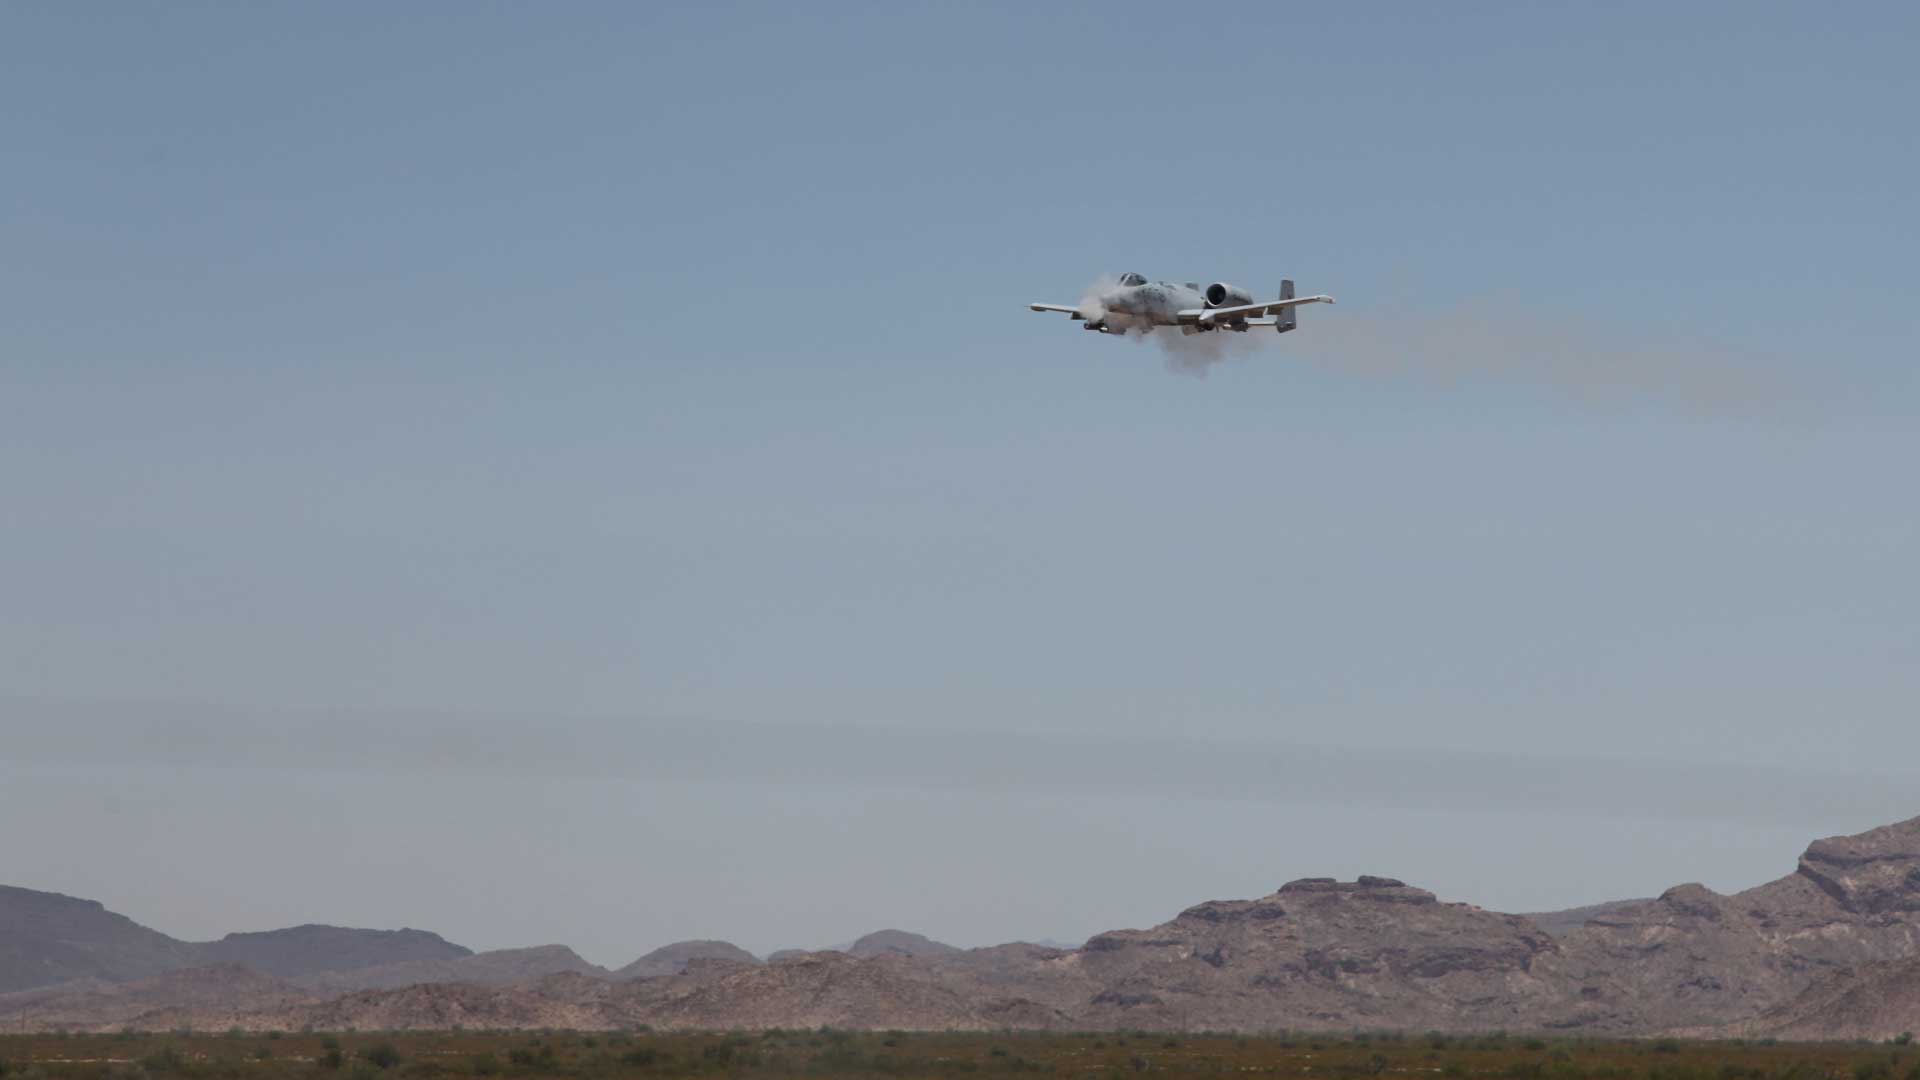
pixel 1210 316
pixel 1073 312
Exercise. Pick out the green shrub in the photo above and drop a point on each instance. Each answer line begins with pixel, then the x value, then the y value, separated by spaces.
pixel 383 1055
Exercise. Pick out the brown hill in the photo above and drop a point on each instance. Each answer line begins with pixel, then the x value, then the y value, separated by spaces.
pixel 309 949
pixel 47 939
pixel 500 967
pixel 826 988
pixel 206 998
pixel 673 959
pixel 899 943
pixel 442 1005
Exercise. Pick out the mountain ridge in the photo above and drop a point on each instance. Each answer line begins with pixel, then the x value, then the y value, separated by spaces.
pixel 1799 955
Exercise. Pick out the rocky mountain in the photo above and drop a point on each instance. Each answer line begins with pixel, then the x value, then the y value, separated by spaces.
pixel 673 959
pixel 1831 950
pixel 207 998
pixel 1316 953
pixel 899 943
pixel 501 967
pixel 823 988
pixel 47 938
pixel 309 949
pixel 446 1005
pixel 1877 1002
pixel 1694 957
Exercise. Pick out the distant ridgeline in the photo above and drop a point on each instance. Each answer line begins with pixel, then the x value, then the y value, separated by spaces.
pixel 1831 950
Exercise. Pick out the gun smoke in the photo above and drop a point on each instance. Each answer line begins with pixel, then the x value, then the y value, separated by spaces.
pixel 1489 342
pixel 1187 354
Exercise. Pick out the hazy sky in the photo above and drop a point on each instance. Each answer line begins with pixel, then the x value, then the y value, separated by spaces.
pixel 587 473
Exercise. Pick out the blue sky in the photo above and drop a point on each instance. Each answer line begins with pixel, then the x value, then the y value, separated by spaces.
pixel 672 365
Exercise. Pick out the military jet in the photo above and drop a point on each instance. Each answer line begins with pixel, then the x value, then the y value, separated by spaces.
pixel 1137 305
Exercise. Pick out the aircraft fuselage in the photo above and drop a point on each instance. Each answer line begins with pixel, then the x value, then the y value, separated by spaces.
pixel 1144 306
pixel 1135 305
pixel 1157 303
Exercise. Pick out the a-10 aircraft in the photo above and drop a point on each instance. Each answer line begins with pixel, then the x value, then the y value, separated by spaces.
pixel 1138 305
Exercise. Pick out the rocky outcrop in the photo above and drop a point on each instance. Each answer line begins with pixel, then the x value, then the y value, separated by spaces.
pixel 1321 953
pixel 1872 874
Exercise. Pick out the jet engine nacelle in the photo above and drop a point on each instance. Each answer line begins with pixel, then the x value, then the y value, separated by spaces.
pixel 1221 294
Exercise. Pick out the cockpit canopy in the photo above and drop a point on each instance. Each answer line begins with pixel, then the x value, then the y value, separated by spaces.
pixel 1132 279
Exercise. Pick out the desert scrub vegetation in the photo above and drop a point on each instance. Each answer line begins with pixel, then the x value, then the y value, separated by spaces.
pixel 500 1055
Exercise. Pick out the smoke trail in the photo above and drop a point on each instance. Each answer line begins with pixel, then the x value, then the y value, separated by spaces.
pixel 1500 341
pixel 1491 341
